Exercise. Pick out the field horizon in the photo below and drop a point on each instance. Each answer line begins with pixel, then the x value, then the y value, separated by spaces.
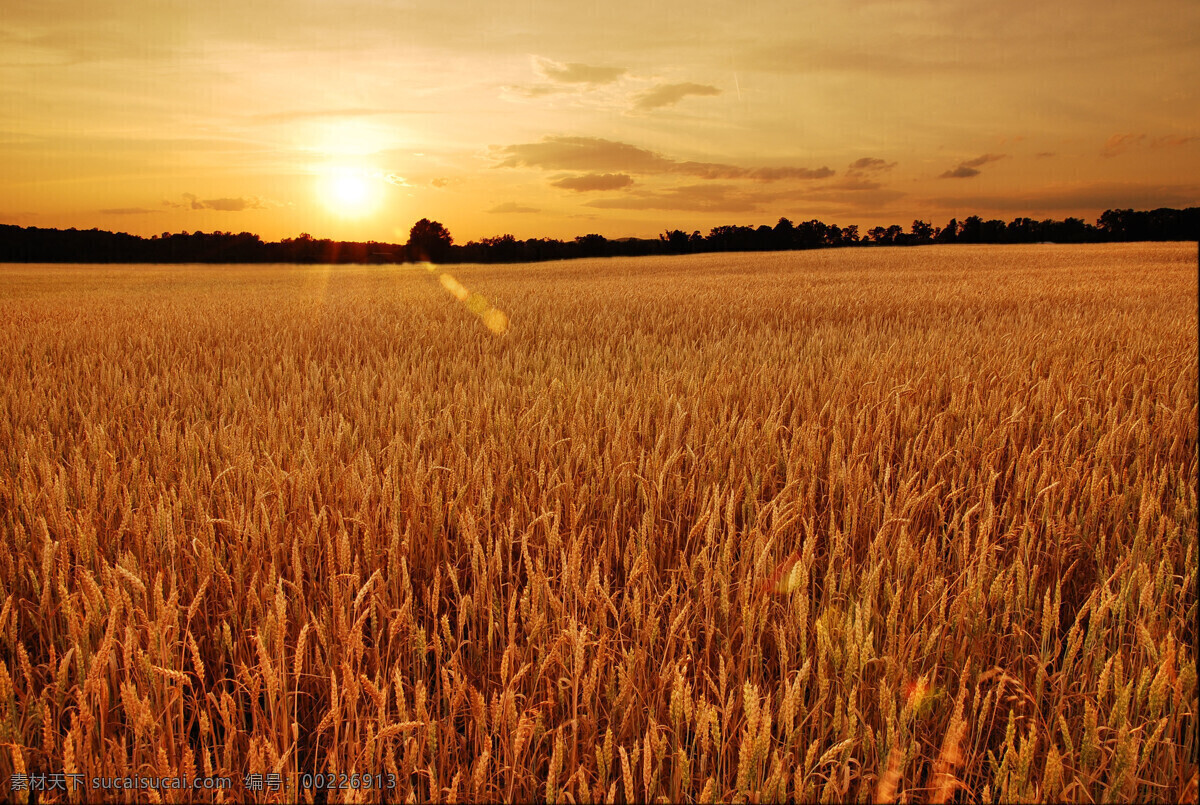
pixel 887 524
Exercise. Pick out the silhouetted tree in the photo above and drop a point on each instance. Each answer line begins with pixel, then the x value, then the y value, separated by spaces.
pixel 785 234
pixel 972 230
pixel 1115 223
pixel 1023 230
pixel 993 231
pixel 810 234
pixel 764 238
pixel 676 240
pixel 429 240
pixel 948 233
pixel 730 238
pixel 1160 224
pixel 1074 230
pixel 591 245
pixel 922 232
pixel 503 248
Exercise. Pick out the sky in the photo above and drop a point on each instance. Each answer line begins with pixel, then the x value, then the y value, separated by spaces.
pixel 352 120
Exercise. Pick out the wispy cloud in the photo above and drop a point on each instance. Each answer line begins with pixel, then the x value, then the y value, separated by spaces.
pixel 576 73
pixel 582 154
pixel 231 204
pixel 597 155
pixel 559 77
pixel 533 90
pixel 869 165
pixel 1123 143
pixel 730 198
pixel 126 211
pixel 594 181
pixel 1173 140
pixel 1120 143
pixel 239 204
pixel 671 94
pixel 512 206
pixel 775 174
pixel 961 172
pixel 855 183
pixel 970 167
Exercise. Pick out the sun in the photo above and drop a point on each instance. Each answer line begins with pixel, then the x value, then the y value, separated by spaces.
pixel 350 192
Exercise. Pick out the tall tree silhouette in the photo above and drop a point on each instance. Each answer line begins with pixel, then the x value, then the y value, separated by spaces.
pixel 922 232
pixel 676 240
pixel 429 240
pixel 591 245
pixel 948 233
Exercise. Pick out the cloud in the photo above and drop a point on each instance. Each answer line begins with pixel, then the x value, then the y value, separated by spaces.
pixel 512 206
pixel 230 204
pixel 1123 143
pixel 961 172
pixel 126 211
pixel 583 154
pixel 1120 143
pixel 866 165
pixel 392 178
pixel 671 94
pixel 576 73
pixel 970 167
pixel 1097 196
pixel 728 198
pixel 774 174
pixel 441 181
pixel 192 202
pixel 1172 141
pixel 1045 154
pixel 983 160
pixel 535 90
pixel 597 155
pixel 562 76
pixel 595 181
pixel 855 183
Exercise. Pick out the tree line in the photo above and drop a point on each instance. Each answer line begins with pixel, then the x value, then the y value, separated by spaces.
pixel 430 240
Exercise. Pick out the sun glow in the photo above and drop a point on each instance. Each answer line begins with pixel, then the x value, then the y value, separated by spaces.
pixel 349 191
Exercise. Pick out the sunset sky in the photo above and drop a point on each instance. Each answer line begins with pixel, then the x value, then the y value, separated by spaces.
pixel 352 120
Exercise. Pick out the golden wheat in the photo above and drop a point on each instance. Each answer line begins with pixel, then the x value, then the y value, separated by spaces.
pixel 908 524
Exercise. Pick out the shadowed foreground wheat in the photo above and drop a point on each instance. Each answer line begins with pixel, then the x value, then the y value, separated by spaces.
pixel 899 524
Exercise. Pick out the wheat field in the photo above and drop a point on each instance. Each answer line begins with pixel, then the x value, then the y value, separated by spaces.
pixel 912 525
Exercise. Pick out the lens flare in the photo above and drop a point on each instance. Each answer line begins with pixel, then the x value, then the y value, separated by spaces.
pixel 493 318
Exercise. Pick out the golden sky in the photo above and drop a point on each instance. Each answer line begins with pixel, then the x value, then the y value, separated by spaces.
pixel 353 119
